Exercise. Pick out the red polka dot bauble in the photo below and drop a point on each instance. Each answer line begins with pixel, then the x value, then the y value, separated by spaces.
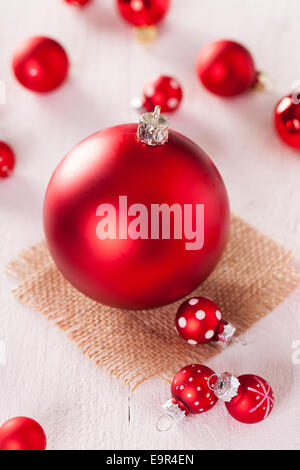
pixel 163 91
pixel 226 68
pixel 199 321
pixel 22 433
pixel 7 160
pixel 40 64
pixel 287 120
pixel 254 400
pixel 192 392
pixel 143 12
pixel 78 3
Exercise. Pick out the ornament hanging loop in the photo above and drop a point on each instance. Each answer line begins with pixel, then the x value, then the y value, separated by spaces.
pixel 156 114
pixel 164 423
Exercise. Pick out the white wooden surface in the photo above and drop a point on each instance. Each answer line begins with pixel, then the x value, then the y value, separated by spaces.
pixel 46 377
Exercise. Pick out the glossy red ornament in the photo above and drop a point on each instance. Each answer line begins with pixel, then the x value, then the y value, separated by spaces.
pixel 40 64
pixel 199 321
pixel 287 120
pixel 254 401
pixel 7 160
pixel 163 91
pixel 143 12
pixel 115 167
pixel 226 68
pixel 22 433
pixel 78 3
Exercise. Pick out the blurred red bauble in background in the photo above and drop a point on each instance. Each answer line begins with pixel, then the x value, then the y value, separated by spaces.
pixel 79 3
pixel 163 91
pixel 40 64
pixel 22 434
pixel 254 400
pixel 226 68
pixel 287 120
pixel 7 160
pixel 143 12
pixel 102 184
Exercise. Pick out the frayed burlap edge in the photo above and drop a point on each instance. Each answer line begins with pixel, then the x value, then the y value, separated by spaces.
pixel 253 277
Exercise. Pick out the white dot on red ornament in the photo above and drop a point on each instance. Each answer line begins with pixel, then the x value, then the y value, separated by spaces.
pixel 196 403
pixel 257 398
pixel 182 322
pixel 175 381
pixel 209 334
pixel 201 409
pixel 172 102
pixel 218 315
pixel 136 5
pixel 208 395
pixel 181 387
pixel 193 301
pixel 189 395
pixel 149 92
pixel 200 314
pixel 174 84
pixel 198 388
pixel 191 379
pixel 192 341
pixel 184 371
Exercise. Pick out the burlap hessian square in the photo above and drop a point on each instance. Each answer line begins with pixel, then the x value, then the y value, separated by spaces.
pixel 253 277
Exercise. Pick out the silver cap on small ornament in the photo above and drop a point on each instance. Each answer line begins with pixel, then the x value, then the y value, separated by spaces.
pixel 226 335
pixel 226 386
pixel 153 128
pixel 174 413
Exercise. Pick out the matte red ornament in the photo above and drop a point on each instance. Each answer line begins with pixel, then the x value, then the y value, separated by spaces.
pixel 22 433
pixel 7 160
pixel 199 321
pixel 254 400
pixel 40 64
pixel 114 251
pixel 226 68
pixel 165 92
pixel 287 120
pixel 78 3
pixel 143 12
pixel 191 393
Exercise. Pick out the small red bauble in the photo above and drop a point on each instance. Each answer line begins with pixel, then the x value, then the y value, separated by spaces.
pixel 143 12
pixel 199 321
pixel 7 160
pixel 22 434
pixel 165 92
pixel 287 120
pixel 254 400
pixel 226 68
pixel 99 215
pixel 40 64
pixel 79 3
pixel 192 392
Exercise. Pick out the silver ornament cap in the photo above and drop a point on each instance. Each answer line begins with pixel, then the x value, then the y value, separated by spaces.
pixel 226 387
pixel 225 337
pixel 153 128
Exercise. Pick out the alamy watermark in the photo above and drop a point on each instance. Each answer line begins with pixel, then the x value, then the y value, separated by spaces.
pixel 154 223
pixel 2 92
pixel 296 92
pixel 296 353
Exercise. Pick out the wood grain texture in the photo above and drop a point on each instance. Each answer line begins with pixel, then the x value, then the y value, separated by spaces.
pixel 45 376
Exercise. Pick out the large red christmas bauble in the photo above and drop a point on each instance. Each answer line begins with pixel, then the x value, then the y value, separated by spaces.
pixel 7 160
pixel 110 222
pixel 226 68
pixel 40 64
pixel 143 12
pixel 22 434
pixel 254 401
pixel 287 121
pixel 190 390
